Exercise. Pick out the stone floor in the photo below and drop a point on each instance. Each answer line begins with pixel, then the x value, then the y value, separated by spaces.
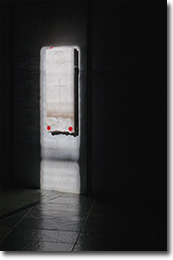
pixel 41 220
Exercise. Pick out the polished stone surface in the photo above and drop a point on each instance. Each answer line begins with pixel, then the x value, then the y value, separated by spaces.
pixel 60 222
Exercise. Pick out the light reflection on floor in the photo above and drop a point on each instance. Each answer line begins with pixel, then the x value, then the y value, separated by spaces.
pixel 41 220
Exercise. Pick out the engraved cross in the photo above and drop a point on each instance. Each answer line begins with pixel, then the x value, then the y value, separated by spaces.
pixel 59 88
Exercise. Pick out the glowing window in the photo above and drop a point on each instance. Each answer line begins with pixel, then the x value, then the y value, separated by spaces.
pixel 61 81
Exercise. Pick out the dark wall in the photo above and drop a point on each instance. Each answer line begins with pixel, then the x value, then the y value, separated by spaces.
pixel 32 25
pixel 5 110
pixel 126 90
pixel 128 111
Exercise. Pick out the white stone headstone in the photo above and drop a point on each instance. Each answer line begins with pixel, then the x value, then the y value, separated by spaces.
pixel 60 105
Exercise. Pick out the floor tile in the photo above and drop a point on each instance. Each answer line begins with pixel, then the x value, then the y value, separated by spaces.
pixel 42 235
pixel 8 223
pixel 112 242
pixel 51 224
pixel 12 200
pixel 15 199
pixel 66 222
pixel 19 245
pixel 98 242
pixel 55 247
pixel 133 232
pixel 60 212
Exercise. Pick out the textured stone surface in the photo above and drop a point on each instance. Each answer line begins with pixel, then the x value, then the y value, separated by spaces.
pixel 58 79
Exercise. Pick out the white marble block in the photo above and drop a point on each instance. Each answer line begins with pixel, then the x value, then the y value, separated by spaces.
pixel 60 106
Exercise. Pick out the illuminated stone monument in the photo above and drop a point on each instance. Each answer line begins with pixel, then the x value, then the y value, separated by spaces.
pixel 59 119
pixel 61 90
